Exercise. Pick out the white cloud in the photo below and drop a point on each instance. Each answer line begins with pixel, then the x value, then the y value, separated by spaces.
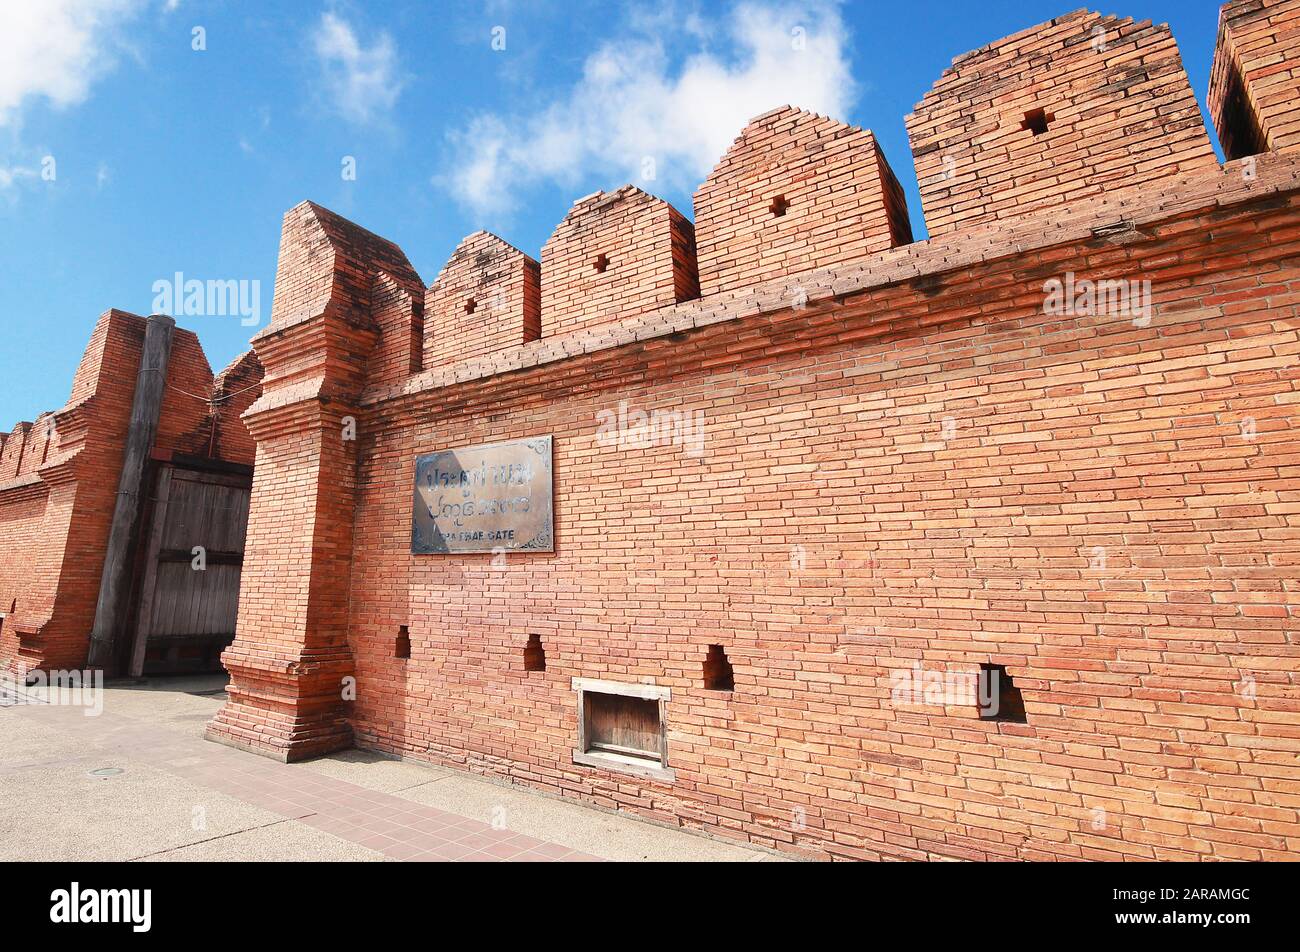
pixel 633 103
pixel 51 53
pixel 362 82
pixel 56 49
pixel 14 174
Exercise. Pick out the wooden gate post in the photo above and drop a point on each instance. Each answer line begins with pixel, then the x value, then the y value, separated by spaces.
pixel 115 583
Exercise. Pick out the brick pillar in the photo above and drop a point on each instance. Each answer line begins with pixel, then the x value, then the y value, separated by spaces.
pixel 290 660
pixel 345 314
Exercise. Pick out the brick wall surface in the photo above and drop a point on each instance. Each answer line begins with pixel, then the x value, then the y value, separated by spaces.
pixel 44 568
pixel 487 298
pixel 1254 95
pixel 888 478
pixel 15 450
pixel 795 191
pixel 234 390
pixel 1118 112
pixel 327 333
pixel 616 254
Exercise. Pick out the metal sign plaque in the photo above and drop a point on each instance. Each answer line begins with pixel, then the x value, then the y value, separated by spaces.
pixel 487 498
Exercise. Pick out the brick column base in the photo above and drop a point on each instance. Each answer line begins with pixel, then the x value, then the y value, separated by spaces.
pixel 288 710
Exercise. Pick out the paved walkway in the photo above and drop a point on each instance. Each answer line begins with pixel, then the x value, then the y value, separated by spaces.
pixel 139 782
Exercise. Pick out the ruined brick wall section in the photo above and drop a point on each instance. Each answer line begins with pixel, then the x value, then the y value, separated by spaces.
pixel 54 521
pixel 55 514
pixel 1254 96
pixel 15 451
pixel 40 437
pixel 328 263
pixel 1117 111
pixel 795 191
pixel 185 422
pixel 236 389
pixel 616 254
pixel 487 298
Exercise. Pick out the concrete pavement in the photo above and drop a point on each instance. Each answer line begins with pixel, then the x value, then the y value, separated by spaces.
pixel 138 782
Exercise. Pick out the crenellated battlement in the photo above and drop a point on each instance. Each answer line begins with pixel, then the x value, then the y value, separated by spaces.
pixel 1051 116
pixel 14 453
pixel 1054 114
pixel 487 297
pixel 614 254
pixel 795 191
pixel 1254 95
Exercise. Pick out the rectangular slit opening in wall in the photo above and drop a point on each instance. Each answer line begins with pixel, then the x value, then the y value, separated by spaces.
pixel 403 646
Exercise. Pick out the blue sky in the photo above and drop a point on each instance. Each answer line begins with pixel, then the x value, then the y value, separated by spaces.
pixel 127 155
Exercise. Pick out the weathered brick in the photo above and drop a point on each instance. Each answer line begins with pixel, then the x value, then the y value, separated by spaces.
pixel 760 214
pixel 1109 100
pixel 616 254
pixel 1254 96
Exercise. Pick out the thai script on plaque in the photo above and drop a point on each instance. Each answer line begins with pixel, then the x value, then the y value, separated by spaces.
pixel 486 498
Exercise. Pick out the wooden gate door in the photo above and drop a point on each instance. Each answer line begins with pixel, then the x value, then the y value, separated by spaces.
pixel 194 552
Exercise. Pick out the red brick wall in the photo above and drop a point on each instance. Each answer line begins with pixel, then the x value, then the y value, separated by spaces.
pixel 15 450
pixel 904 478
pixel 848 205
pixel 290 653
pixel 185 424
pixel 38 444
pixel 1123 113
pixel 649 248
pixel 504 285
pixel 50 570
pixel 1255 83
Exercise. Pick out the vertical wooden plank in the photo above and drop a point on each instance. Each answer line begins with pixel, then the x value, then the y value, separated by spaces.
pixel 190 598
pixel 144 617
pixel 662 727
pixel 146 406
